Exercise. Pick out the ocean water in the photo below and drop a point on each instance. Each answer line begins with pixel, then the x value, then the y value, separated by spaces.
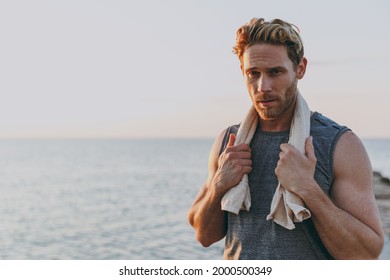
pixel 106 199
pixel 379 152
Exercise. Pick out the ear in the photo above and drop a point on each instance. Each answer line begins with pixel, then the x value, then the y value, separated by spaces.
pixel 301 69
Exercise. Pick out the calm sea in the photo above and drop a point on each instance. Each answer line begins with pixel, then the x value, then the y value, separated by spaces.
pixel 108 199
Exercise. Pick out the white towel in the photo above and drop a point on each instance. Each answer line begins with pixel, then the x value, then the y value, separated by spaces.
pixel 286 207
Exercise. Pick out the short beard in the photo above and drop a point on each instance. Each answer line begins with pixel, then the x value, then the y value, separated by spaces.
pixel 289 100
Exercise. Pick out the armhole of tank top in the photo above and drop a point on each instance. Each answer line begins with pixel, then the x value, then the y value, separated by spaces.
pixel 223 145
pixel 331 153
pixel 225 140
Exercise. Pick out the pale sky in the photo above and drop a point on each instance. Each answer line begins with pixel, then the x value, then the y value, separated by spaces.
pixel 116 68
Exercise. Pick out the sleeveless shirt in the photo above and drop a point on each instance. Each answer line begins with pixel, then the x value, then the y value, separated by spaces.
pixel 249 235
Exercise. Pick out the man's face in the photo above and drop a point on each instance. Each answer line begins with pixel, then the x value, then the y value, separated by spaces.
pixel 271 80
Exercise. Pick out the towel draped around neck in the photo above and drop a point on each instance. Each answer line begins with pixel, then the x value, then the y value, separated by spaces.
pixel 286 207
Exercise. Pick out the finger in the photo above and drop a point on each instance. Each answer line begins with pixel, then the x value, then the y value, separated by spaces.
pixel 242 161
pixel 242 147
pixel 246 169
pixel 285 147
pixel 232 139
pixel 239 154
pixel 246 162
pixel 309 148
pixel 243 155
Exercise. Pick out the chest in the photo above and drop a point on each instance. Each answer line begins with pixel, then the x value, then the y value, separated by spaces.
pixel 265 149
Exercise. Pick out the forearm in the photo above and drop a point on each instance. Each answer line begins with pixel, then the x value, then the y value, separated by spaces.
pixel 225 171
pixel 344 236
pixel 207 218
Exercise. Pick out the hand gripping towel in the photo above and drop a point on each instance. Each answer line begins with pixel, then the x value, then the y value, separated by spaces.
pixel 286 207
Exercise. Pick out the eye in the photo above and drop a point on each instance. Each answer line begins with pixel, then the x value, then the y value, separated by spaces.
pixel 253 74
pixel 275 71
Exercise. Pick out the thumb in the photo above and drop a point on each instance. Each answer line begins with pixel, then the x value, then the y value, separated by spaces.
pixel 309 148
pixel 232 139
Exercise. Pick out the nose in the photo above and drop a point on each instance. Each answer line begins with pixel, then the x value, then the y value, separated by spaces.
pixel 264 84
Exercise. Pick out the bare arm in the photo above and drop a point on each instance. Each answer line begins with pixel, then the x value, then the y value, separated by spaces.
pixel 225 172
pixel 348 222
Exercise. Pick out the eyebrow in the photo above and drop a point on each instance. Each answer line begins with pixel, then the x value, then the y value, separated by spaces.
pixel 254 68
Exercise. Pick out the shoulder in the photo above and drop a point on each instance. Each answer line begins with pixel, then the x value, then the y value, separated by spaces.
pixel 353 179
pixel 321 123
pixel 326 134
pixel 351 158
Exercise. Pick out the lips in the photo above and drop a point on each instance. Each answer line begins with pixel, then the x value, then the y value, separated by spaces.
pixel 266 103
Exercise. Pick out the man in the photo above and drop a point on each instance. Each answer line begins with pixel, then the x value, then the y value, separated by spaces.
pixel 333 178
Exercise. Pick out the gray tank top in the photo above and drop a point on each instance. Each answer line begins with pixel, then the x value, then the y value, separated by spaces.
pixel 249 234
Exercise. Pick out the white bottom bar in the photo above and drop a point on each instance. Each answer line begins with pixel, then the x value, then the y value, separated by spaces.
pixel 179 269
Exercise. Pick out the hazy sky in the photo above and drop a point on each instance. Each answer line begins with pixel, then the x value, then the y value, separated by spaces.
pixel 116 68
